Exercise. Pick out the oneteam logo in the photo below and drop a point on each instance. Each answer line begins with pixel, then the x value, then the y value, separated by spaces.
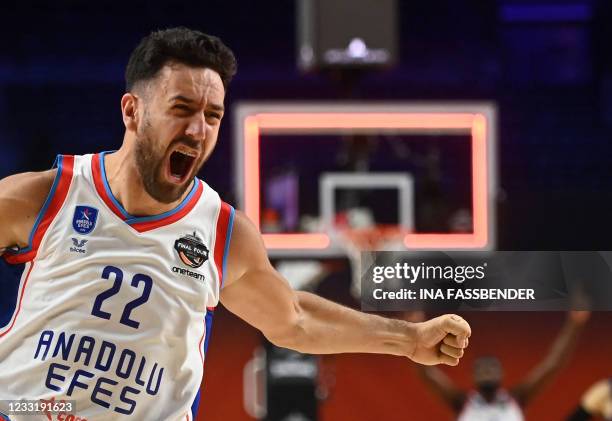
pixel 191 250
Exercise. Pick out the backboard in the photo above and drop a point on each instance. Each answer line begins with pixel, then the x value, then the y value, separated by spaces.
pixel 293 138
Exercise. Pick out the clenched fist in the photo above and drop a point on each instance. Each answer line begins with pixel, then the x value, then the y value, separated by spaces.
pixel 441 340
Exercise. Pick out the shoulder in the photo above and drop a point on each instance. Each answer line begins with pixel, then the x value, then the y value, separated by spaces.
pixel 244 227
pixel 21 198
pixel 37 183
pixel 246 238
pixel 247 250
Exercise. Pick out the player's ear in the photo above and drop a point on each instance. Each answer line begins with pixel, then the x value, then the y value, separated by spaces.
pixel 129 110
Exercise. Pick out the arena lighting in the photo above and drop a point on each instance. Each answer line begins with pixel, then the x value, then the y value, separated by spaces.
pixel 474 120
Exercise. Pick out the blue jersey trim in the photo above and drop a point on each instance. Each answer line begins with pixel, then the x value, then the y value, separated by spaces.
pixel 195 405
pixel 108 189
pixel 58 163
pixel 130 219
pixel 228 238
pixel 185 201
pixel 208 320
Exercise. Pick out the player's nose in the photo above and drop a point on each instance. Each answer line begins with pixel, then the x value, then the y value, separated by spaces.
pixel 196 128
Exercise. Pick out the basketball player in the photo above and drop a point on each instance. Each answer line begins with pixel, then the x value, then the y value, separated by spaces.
pixel 490 401
pixel 596 402
pixel 118 259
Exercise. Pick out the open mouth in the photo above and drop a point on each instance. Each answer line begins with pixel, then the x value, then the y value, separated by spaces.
pixel 180 166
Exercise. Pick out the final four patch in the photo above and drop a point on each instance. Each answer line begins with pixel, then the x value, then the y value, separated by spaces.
pixel 191 250
pixel 84 220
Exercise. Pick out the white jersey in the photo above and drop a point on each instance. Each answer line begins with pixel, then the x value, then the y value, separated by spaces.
pixel 112 311
pixel 503 408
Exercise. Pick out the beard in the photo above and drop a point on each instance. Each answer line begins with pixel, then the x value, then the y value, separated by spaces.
pixel 150 166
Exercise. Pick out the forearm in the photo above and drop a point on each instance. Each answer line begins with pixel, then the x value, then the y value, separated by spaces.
pixel 324 327
pixel 558 355
pixel 258 294
pixel 563 346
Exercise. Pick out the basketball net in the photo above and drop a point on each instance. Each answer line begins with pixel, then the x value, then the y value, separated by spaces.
pixel 355 241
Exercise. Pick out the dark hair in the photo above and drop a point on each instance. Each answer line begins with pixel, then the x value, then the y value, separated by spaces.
pixel 183 45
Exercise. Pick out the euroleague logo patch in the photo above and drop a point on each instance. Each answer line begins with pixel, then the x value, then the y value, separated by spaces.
pixel 191 250
pixel 84 220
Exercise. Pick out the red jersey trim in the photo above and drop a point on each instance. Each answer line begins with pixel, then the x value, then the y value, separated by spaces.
pixel 99 184
pixel 145 223
pixel 222 239
pixel 50 209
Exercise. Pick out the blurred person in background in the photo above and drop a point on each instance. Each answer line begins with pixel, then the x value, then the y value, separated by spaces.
pixel 490 401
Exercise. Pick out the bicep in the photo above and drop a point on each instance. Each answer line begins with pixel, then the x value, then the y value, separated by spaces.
pixel 253 289
pixel 263 299
pixel 7 236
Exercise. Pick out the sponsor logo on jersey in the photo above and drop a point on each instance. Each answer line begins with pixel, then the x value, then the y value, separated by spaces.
pixel 188 272
pixel 78 246
pixel 191 250
pixel 84 220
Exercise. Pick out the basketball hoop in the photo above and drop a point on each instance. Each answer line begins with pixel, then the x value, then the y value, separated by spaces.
pixel 371 239
pixel 374 238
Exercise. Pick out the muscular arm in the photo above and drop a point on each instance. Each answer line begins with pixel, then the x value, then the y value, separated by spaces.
pixel 307 323
pixel 21 198
pixel 558 355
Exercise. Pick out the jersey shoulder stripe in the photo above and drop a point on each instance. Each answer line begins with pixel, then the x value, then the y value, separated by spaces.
pixel 225 224
pixel 102 187
pixel 50 209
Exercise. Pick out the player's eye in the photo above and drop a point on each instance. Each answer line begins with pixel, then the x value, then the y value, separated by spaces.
pixel 213 116
pixel 181 107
